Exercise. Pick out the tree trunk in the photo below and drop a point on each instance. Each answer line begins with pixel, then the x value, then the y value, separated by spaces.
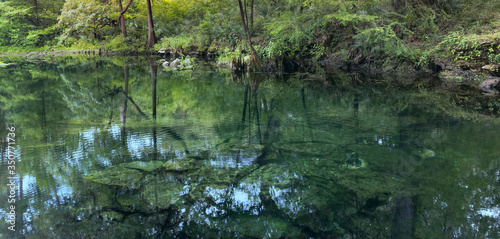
pixel 251 15
pixel 36 21
pixel 151 32
pixel 122 20
pixel 255 62
pixel 242 15
pixel 404 218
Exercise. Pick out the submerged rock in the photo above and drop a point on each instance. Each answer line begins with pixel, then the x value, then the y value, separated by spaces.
pixel 311 148
pixel 117 176
pixel 144 166
pixel 164 193
pixel 353 161
pixel 178 165
pixel 424 153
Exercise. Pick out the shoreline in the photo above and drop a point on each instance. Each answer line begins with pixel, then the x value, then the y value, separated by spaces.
pixel 450 73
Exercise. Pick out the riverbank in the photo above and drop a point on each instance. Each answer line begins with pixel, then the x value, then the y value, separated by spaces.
pixel 475 72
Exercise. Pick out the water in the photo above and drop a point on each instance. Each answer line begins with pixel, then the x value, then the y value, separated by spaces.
pixel 323 155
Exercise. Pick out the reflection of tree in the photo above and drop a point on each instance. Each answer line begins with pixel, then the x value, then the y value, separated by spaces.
pixel 123 108
pixel 153 72
pixel 291 180
pixel 404 218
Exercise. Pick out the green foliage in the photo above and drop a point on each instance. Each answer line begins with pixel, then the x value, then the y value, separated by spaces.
pixel 380 40
pixel 291 33
pixel 176 42
pixel 217 31
pixel 397 31
pixel 225 58
pixel 472 47
pixel 128 44
pixel 42 36
pixel 20 25
pixel 81 44
pixel 346 18
pixel 275 50
pixel 83 18
pixel 13 28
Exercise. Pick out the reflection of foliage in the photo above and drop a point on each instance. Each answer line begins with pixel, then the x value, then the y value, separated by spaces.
pixel 281 162
pixel 89 106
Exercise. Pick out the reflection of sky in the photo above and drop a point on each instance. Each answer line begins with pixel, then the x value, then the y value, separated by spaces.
pixel 30 189
pixel 223 161
pixel 246 197
pixel 490 212
pixel 115 131
pixel 137 144
pixel 282 196
pixel 241 198
pixel 384 140
pixel 218 195
pixel 29 185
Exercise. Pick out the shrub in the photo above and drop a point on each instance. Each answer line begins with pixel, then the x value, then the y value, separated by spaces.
pixel 176 42
pixel 128 44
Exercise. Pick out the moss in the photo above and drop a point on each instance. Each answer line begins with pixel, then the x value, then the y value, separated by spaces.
pixel 178 165
pixel 320 149
pixel 424 153
pixel 112 216
pixel 144 166
pixel 164 194
pixel 116 175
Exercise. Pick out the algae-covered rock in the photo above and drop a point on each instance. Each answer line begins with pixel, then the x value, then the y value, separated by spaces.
pixel 144 166
pixel 116 175
pixel 178 165
pixel 424 153
pixel 311 148
pixel 214 183
pixel 164 194
pixel 112 216
pixel 243 148
pixel 271 177
pixel 353 161
pixel 212 176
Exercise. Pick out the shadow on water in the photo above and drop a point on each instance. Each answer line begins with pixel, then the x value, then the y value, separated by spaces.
pixel 206 153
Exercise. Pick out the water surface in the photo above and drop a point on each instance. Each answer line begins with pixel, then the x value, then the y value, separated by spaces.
pixel 121 148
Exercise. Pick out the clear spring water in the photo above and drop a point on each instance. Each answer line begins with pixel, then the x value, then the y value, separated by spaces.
pixel 110 149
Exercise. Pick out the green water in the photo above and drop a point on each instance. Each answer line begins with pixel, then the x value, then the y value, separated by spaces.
pixel 119 148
